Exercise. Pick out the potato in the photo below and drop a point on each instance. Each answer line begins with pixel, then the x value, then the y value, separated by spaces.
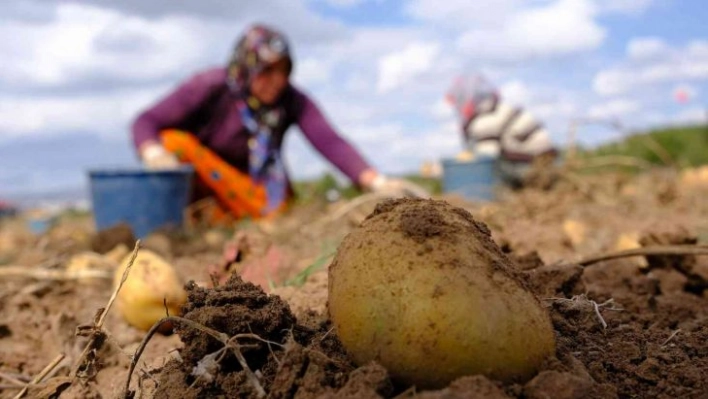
pixel 118 253
pixel 694 177
pixel 630 240
pixel 421 288
pixel 151 280
pixel 576 231
pixel 89 261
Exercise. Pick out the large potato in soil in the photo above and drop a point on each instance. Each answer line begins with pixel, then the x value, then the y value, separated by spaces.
pixel 421 288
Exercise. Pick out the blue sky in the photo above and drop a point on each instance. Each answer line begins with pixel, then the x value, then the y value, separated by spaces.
pixel 75 73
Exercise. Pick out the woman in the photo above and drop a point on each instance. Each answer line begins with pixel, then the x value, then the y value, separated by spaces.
pixel 229 123
pixel 493 128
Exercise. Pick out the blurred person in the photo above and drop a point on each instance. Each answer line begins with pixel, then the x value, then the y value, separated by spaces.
pixel 492 128
pixel 7 209
pixel 229 124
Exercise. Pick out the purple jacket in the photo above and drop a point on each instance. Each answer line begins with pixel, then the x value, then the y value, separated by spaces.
pixel 204 106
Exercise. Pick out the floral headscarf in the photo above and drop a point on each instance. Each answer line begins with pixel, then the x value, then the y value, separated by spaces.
pixel 259 47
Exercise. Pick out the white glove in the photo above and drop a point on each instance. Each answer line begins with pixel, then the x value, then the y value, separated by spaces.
pixel 398 187
pixel 156 157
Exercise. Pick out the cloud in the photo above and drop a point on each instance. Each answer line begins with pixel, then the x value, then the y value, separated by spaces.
pixel 647 48
pixel 554 110
pixel 614 109
pixel 516 92
pixel 698 49
pixel 91 44
pixel 686 63
pixel 342 3
pixel 463 13
pixel 514 30
pixel 26 11
pixel 398 68
pixel 444 139
pixel 312 71
pixel 292 16
pixel 556 28
pixel 624 6
pixel 693 115
pixel 442 110
pixel 107 114
pixel 352 62
pixel 95 43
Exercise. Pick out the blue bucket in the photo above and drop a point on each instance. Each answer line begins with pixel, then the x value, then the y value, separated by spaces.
pixel 474 180
pixel 145 200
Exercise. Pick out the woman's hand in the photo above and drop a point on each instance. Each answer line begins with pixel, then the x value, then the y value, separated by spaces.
pixel 156 157
pixel 373 181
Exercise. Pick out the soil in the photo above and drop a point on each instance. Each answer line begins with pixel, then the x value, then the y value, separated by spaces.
pixel 624 329
pixel 290 357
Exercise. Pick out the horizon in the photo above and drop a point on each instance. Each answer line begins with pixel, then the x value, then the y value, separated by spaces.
pixel 78 195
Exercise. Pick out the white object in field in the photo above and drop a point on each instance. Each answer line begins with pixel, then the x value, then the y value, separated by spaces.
pixel 509 126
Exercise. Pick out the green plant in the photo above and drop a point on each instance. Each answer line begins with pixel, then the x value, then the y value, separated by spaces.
pixel 678 146
pixel 301 278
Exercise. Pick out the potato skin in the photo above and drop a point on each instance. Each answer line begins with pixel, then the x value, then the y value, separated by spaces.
pixel 421 288
pixel 151 282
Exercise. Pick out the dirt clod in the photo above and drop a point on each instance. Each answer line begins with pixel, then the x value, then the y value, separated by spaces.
pixel 293 360
pixel 105 240
pixel 467 387
pixel 554 384
pixel 554 280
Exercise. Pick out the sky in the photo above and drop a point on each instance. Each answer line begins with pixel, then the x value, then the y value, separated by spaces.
pixel 74 74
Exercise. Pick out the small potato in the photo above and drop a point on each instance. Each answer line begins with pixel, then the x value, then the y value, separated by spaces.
pixel 630 240
pixel 421 288
pixel 576 231
pixel 151 281
pixel 89 261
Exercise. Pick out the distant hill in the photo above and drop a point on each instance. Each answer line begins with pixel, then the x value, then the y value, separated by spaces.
pixel 676 146
pixel 70 197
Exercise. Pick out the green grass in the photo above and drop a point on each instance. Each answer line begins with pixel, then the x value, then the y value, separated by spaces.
pixel 680 147
pixel 299 279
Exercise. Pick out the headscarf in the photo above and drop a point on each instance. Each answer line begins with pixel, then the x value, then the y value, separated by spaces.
pixel 259 47
pixel 472 95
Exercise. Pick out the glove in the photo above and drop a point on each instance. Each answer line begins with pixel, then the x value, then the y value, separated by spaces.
pixel 398 187
pixel 156 157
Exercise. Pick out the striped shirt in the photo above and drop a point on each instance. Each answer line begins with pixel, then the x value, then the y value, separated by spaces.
pixel 516 133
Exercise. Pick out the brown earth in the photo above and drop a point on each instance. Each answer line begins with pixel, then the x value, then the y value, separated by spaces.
pixel 655 343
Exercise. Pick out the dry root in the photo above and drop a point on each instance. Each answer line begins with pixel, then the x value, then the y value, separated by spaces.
pixel 210 363
pixel 581 302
